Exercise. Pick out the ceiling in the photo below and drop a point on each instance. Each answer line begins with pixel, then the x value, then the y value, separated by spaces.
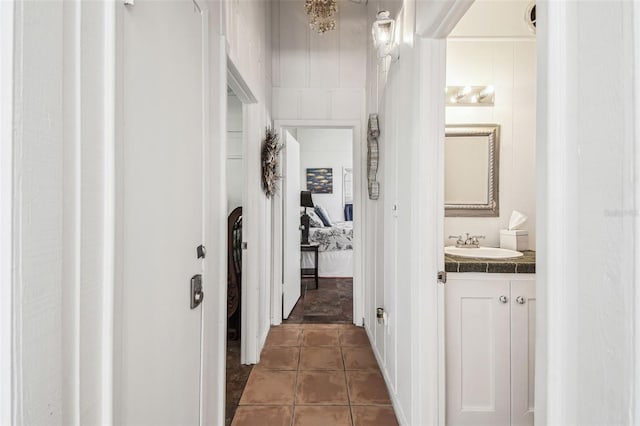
pixel 494 18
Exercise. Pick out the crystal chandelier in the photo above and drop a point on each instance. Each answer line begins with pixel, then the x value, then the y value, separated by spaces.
pixel 321 14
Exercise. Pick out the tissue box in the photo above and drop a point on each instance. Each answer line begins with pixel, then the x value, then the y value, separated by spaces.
pixel 516 239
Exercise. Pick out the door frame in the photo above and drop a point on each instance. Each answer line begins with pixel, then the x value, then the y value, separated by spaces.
pixel 6 213
pixel 249 302
pixel 286 157
pixel 359 153
pixel 433 28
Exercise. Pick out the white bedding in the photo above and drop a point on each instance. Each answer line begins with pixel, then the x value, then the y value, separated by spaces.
pixel 330 263
pixel 335 238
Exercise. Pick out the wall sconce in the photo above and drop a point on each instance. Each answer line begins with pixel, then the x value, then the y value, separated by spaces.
pixel 470 96
pixel 382 31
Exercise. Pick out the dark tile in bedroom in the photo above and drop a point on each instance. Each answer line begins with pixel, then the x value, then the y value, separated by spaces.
pixel 332 302
pixel 329 285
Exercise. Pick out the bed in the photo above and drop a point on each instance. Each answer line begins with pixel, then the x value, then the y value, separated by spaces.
pixel 335 250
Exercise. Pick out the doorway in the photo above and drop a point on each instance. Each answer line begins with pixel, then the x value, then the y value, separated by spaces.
pixel 237 373
pixel 318 225
pixel 318 279
pixel 490 305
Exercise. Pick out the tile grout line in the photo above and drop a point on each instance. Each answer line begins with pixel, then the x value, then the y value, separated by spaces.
pixel 295 387
pixel 346 380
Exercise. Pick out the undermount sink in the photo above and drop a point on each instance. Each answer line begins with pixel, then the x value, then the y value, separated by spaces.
pixel 482 252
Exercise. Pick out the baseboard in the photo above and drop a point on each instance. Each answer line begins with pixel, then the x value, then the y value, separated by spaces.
pixel 263 339
pixel 400 416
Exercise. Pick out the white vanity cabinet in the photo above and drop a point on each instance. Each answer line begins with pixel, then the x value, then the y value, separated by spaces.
pixel 490 349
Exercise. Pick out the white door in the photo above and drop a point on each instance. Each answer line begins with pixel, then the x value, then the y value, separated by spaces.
pixel 291 225
pixel 523 351
pixel 161 212
pixel 477 347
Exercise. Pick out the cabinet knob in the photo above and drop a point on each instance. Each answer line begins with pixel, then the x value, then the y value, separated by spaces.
pixel 503 299
pixel 520 300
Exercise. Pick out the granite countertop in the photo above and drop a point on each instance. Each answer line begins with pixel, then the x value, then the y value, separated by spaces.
pixel 520 265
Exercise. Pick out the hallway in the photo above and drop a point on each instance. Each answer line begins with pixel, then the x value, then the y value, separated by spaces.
pixel 316 374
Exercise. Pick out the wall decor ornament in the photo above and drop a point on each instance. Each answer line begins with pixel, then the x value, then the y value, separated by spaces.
pixel 271 148
pixel 373 156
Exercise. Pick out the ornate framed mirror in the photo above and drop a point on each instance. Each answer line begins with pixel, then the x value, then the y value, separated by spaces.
pixel 471 170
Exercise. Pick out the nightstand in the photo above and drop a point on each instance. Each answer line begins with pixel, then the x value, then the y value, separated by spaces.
pixel 310 272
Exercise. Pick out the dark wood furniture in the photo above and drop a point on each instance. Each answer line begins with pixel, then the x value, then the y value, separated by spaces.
pixel 234 272
pixel 310 272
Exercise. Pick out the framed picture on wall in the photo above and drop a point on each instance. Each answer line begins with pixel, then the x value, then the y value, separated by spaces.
pixel 347 185
pixel 320 180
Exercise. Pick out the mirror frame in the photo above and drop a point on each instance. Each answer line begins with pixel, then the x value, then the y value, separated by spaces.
pixel 492 133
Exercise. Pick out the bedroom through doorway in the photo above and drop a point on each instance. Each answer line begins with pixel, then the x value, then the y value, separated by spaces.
pixel 318 198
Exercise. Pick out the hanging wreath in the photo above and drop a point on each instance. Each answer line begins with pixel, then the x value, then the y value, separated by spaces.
pixel 271 148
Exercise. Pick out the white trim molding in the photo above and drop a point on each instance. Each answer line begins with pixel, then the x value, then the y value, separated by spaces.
pixel 556 185
pixel 6 212
pixel 428 395
pixel 214 341
pixel 636 159
pixel 587 198
pixel 109 214
pixel 359 239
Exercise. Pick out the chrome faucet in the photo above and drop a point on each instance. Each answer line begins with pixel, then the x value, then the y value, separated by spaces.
pixel 460 242
pixel 471 241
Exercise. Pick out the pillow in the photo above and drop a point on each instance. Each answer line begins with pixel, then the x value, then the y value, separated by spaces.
pixel 314 220
pixel 323 215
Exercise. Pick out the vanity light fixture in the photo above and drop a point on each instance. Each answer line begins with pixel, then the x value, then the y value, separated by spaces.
pixel 470 95
pixel 382 32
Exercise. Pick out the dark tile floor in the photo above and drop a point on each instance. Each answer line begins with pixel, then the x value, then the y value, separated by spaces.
pixel 332 302
pixel 316 374
pixel 237 376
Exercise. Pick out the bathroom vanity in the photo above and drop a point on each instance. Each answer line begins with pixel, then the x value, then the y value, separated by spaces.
pixel 490 340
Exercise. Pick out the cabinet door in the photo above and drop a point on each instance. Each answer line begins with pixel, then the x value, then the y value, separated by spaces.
pixel 477 334
pixel 523 338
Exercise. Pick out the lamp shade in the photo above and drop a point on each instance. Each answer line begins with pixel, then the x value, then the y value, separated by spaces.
pixel 305 199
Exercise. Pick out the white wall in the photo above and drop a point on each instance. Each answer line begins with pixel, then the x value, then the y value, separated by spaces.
pixel 247 27
pixel 494 19
pixel 235 176
pixel 6 211
pixel 326 148
pixel 64 201
pixel 510 66
pixel 63 234
pixel 401 255
pixel 588 240
pixel 319 76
